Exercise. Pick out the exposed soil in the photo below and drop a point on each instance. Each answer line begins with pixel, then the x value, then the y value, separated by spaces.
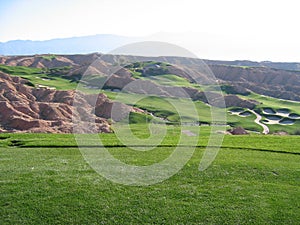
pixel 25 109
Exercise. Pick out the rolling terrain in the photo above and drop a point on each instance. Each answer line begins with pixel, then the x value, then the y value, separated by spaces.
pixel 45 178
pixel 244 87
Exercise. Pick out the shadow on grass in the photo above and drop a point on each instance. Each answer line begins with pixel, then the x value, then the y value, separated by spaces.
pixel 21 144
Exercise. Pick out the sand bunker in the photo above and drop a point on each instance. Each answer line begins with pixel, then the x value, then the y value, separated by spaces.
pixel 280 116
pixel 286 121
pixel 240 112
pixel 268 111
pixel 278 112
pixel 273 117
pixel 294 116
pixel 245 113
pixel 271 122
pixel 236 111
pixel 283 111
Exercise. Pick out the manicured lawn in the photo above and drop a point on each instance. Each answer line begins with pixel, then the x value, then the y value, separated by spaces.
pixel 45 77
pixel 254 180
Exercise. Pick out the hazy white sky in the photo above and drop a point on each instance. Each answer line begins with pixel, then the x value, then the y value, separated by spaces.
pixel 217 29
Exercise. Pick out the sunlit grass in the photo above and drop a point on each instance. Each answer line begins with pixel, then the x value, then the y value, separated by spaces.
pixel 248 183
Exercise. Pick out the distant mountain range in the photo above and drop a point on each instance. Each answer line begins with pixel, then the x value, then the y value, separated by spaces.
pixel 104 43
pixel 75 45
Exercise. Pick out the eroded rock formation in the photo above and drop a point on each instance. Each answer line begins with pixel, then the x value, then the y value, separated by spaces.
pixel 23 108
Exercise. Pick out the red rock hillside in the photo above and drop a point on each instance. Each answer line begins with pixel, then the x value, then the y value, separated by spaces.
pixel 24 109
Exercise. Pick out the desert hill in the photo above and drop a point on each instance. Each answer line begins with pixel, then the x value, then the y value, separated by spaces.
pixel 27 109
pixel 260 78
pixel 40 96
pixel 294 66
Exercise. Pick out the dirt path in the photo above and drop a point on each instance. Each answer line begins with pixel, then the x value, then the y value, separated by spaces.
pixel 257 121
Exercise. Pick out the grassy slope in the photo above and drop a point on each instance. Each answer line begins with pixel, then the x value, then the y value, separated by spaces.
pixel 274 103
pixel 39 76
pixel 244 185
pixel 162 107
pixel 170 80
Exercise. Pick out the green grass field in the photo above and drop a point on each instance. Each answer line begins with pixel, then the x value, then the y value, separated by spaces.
pixel 45 77
pixel 254 180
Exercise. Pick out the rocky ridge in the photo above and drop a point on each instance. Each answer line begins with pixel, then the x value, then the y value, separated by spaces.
pixel 25 109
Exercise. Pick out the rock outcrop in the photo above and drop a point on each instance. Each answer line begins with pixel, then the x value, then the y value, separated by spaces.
pixel 25 109
pixel 238 131
pixel 265 81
